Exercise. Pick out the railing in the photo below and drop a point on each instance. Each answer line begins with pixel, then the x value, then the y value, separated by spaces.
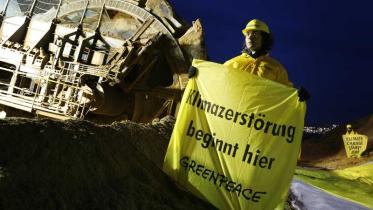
pixel 57 91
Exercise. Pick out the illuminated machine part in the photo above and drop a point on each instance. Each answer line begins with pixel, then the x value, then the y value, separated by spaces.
pixel 107 57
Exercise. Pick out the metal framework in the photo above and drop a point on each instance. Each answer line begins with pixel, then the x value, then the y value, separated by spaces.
pixel 68 72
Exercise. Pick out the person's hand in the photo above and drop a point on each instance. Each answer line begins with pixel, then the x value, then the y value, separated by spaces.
pixel 192 71
pixel 303 94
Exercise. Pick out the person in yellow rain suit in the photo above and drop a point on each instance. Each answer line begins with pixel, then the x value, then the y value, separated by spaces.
pixel 349 130
pixel 255 57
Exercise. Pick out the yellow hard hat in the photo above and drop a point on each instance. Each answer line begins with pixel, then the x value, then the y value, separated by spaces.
pixel 255 24
pixel 348 126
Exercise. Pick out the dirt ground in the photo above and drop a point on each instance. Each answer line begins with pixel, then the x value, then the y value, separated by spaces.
pixel 328 151
pixel 46 164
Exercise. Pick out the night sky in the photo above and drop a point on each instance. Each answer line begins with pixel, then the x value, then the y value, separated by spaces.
pixel 326 47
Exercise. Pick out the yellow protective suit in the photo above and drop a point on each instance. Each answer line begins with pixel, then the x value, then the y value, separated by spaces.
pixel 263 66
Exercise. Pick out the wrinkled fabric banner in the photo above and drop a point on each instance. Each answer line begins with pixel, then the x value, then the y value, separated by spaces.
pixel 354 184
pixel 236 138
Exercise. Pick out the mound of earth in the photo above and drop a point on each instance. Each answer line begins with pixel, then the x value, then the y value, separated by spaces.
pixel 46 164
pixel 328 151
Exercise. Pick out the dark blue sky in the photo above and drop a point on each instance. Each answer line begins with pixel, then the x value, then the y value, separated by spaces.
pixel 326 46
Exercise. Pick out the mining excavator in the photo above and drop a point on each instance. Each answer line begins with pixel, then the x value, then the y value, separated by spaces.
pixel 121 59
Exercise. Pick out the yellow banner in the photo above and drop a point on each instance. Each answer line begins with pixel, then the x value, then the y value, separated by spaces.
pixel 355 144
pixel 354 184
pixel 236 138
